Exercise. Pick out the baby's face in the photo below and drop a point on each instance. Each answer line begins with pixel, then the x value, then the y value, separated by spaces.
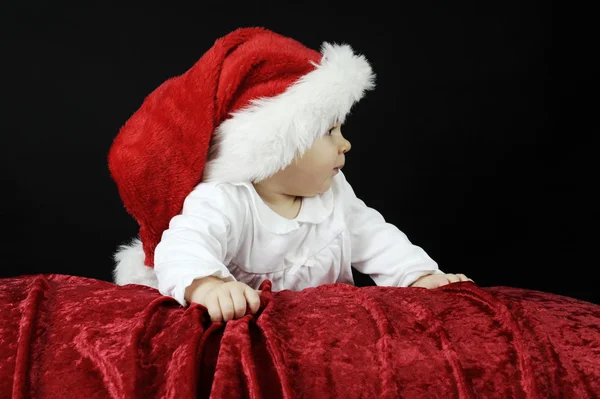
pixel 312 174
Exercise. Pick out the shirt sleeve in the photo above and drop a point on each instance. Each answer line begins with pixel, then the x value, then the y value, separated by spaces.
pixel 379 249
pixel 199 241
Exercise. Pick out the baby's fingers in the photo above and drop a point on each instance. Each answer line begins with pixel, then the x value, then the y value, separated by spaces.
pixel 239 303
pixel 226 304
pixel 253 299
pixel 213 307
pixel 462 277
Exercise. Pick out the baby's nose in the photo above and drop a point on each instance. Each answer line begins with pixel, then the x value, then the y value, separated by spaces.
pixel 346 146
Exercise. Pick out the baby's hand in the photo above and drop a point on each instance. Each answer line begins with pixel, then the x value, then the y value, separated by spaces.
pixel 226 301
pixel 437 280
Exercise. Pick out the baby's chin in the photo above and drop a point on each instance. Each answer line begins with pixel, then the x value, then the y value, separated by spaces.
pixel 316 189
pixel 325 187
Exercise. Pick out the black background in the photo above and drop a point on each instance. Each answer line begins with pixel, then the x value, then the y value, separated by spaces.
pixel 470 143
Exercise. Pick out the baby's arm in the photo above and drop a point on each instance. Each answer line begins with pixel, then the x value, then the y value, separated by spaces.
pixel 191 256
pixel 380 249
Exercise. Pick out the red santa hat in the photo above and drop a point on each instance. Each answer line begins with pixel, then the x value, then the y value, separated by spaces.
pixel 256 98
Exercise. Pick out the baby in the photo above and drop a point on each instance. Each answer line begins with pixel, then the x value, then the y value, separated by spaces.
pixel 233 171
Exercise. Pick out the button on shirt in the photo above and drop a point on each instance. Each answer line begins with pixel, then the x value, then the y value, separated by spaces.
pixel 227 231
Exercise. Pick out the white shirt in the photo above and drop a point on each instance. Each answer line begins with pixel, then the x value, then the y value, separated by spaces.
pixel 227 231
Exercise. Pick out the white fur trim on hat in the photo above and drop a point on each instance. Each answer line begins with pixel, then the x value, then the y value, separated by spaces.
pixel 266 136
pixel 130 267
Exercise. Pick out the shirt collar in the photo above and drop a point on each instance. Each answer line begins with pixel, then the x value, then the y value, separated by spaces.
pixel 313 210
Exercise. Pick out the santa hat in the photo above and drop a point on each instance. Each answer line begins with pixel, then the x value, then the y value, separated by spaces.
pixel 256 98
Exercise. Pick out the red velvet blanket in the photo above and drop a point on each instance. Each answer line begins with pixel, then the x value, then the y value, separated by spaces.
pixel 72 337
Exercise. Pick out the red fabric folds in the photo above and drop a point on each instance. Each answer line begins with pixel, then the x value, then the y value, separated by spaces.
pixel 65 336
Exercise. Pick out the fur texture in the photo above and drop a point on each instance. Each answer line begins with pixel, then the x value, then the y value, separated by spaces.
pixel 130 268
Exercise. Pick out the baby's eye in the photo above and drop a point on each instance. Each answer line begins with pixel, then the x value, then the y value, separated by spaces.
pixel 330 131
